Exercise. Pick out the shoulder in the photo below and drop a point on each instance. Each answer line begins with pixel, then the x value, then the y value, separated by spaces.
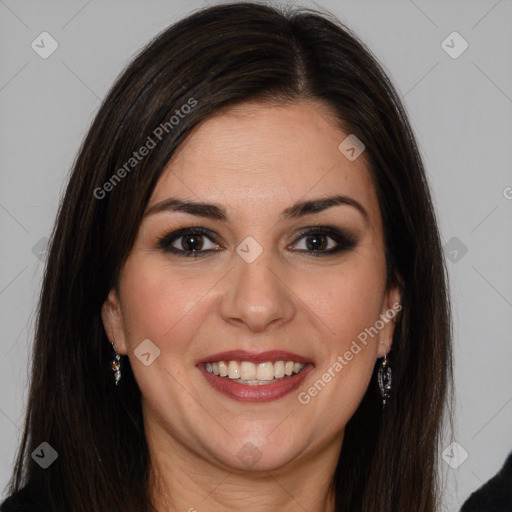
pixel 27 499
pixel 495 495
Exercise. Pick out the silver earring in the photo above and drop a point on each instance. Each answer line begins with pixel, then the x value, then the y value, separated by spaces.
pixel 384 379
pixel 116 365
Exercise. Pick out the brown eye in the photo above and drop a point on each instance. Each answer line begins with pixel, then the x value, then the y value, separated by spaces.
pixel 188 242
pixel 317 242
pixel 192 242
pixel 321 241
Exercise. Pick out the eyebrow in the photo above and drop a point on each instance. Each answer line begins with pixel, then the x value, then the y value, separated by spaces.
pixel 218 212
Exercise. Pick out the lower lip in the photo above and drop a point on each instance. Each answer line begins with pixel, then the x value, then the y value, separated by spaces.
pixel 257 393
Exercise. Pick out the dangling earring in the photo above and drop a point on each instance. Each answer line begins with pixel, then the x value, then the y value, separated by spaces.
pixel 116 365
pixel 384 380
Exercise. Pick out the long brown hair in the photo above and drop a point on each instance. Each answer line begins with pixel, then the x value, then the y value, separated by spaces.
pixel 218 57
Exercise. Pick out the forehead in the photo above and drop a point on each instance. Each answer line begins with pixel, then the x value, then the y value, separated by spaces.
pixel 264 158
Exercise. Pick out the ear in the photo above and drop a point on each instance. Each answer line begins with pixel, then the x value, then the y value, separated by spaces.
pixel 113 322
pixel 390 310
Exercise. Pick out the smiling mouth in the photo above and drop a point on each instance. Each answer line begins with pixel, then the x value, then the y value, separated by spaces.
pixel 255 374
pixel 255 377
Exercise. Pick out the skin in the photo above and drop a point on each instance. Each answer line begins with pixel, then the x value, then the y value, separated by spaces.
pixel 255 160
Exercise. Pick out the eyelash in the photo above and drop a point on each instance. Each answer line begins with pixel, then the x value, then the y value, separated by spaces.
pixel 344 240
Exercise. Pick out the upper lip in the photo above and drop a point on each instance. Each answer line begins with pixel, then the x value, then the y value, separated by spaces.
pixel 254 357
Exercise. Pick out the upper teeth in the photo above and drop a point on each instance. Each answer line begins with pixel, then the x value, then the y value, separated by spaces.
pixel 247 371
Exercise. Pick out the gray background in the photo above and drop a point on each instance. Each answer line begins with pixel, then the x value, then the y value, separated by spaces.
pixel 460 108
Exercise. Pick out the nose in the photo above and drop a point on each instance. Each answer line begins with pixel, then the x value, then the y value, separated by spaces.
pixel 257 295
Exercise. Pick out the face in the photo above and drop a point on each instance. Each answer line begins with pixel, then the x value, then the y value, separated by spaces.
pixel 255 287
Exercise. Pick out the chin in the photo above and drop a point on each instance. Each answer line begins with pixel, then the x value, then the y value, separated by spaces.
pixel 254 454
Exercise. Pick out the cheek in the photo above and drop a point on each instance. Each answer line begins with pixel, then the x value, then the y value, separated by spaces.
pixel 165 307
pixel 346 301
pixel 157 302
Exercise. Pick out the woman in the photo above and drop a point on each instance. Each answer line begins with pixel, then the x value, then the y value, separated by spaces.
pixel 245 302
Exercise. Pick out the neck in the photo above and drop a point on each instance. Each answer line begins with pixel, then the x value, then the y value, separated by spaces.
pixel 181 480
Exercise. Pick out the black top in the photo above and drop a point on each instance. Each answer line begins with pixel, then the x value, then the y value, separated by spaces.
pixel 28 499
pixel 495 495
